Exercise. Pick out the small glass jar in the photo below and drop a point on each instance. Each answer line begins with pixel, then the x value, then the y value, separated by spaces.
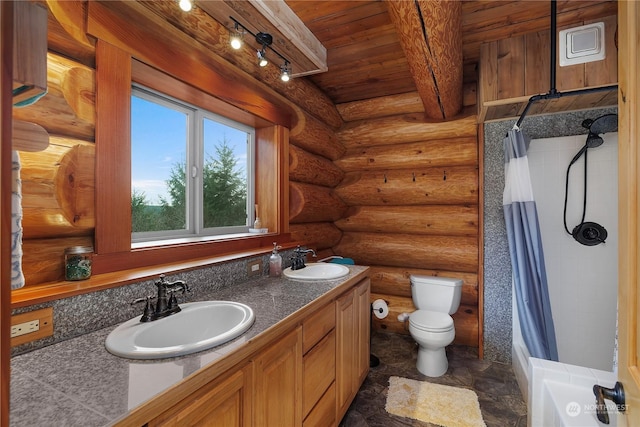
pixel 77 262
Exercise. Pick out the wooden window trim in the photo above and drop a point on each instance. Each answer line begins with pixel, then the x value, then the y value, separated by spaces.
pixel 116 71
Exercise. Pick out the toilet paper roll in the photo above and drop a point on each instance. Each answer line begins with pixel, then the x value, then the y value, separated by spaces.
pixel 380 309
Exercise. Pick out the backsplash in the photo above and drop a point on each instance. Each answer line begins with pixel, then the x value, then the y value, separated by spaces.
pixel 81 314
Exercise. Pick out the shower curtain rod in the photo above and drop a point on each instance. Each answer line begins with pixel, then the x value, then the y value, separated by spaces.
pixel 553 93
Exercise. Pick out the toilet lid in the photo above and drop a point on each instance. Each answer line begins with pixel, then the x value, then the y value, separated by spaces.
pixel 431 321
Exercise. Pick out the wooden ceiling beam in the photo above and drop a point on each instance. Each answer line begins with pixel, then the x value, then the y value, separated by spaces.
pixel 291 37
pixel 430 32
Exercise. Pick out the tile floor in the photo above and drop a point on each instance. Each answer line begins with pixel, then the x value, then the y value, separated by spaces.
pixel 500 399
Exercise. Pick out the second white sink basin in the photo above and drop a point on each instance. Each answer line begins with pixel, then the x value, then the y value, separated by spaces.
pixel 317 271
pixel 200 325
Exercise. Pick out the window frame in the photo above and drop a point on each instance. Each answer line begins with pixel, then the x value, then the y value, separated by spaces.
pixel 195 158
pixel 117 70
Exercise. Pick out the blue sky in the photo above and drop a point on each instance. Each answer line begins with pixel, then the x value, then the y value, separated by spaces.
pixel 158 143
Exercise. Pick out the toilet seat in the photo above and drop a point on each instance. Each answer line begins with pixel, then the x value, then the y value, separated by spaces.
pixel 431 321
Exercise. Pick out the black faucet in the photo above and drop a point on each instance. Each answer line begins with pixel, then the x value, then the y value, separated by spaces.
pixel 166 302
pixel 615 394
pixel 299 254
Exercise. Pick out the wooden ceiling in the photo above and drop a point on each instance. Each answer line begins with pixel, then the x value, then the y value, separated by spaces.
pixel 364 55
pixel 365 59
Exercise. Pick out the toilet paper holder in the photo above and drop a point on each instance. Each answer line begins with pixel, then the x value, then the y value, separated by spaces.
pixel 380 308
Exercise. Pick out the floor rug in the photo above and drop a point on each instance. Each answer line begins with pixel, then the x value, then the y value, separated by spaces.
pixel 434 403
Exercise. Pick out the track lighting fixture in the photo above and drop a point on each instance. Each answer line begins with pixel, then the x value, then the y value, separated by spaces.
pixel 285 71
pixel 264 40
pixel 185 5
pixel 235 36
pixel 262 58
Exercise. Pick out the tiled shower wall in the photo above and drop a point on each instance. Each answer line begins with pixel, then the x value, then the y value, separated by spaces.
pixel 497 264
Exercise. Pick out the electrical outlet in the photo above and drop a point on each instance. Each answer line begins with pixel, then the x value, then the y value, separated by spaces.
pixel 254 268
pixel 31 326
pixel 25 328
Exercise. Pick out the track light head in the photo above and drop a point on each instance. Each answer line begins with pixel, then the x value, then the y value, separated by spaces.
pixel 235 37
pixel 185 5
pixel 262 58
pixel 285 72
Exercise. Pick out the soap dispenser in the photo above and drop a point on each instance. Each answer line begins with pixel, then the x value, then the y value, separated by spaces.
pixel 275 262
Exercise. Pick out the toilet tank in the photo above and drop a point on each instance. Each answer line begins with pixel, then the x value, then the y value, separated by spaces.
pixel 440 294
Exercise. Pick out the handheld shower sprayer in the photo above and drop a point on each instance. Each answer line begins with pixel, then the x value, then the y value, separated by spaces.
pixel 589 233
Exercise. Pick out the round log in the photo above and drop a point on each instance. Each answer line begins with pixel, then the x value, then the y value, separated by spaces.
pixel 404 103
pixel 58 186
pixel 451 185
pixel 43 259
pixel 430 33
pixel 313 203
pixel 312 169
pixel 452 253
pixel 395 281
pixel 448 220
pixel 68 108
pixel 319 235
pixel 440 152
pixel 406 128
pixel 314 136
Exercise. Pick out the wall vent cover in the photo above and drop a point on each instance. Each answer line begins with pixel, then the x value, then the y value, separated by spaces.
pixel 582 44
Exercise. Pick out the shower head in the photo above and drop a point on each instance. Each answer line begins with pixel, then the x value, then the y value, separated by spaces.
pixel 593 140
pixel 603 124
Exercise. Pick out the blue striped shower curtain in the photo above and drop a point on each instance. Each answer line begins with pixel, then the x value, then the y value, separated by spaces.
pixel 525 247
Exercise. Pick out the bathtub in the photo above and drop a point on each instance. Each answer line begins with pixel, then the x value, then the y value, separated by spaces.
pixel 562 395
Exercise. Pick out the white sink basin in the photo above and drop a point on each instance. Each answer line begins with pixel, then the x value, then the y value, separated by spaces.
pixel 317 271
pixel 200 325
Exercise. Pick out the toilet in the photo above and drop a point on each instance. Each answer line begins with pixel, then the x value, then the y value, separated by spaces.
pixel 431 325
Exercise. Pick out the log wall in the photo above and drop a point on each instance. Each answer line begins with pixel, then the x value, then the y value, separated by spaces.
pixel 389 188
pixel 59 182
pixel 412 190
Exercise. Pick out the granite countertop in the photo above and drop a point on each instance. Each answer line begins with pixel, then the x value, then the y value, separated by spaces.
pixel 79 383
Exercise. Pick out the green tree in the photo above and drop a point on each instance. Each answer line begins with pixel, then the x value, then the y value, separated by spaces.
pixel 173 212
pixel 224 196
pixel 225 190
pixel 143 217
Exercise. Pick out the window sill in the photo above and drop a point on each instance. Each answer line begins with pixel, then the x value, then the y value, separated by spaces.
pixel 37 294
pixel 203 239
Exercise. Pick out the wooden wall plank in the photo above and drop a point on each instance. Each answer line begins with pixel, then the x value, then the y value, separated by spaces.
pixel 113 150
pixel 430 153
pixel 445 220
pixel 453 253
pixel 511 68
pixel 454 185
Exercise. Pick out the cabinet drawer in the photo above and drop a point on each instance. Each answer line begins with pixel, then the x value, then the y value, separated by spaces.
pixel 317 326
pixel 324 413
pixel 319 369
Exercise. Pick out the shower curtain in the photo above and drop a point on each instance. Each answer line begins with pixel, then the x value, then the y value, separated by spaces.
pixel 525 247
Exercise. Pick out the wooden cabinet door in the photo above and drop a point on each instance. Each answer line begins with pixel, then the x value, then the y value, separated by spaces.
pixel 278 382
pixel 364 325
pixel 346 331
pixel 226 404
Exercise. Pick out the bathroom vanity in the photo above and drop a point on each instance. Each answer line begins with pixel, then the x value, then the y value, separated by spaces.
pixel 300 364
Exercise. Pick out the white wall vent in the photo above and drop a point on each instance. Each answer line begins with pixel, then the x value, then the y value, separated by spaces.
pixel 582 44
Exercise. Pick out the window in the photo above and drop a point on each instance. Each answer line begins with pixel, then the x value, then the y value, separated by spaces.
pixel 192 171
